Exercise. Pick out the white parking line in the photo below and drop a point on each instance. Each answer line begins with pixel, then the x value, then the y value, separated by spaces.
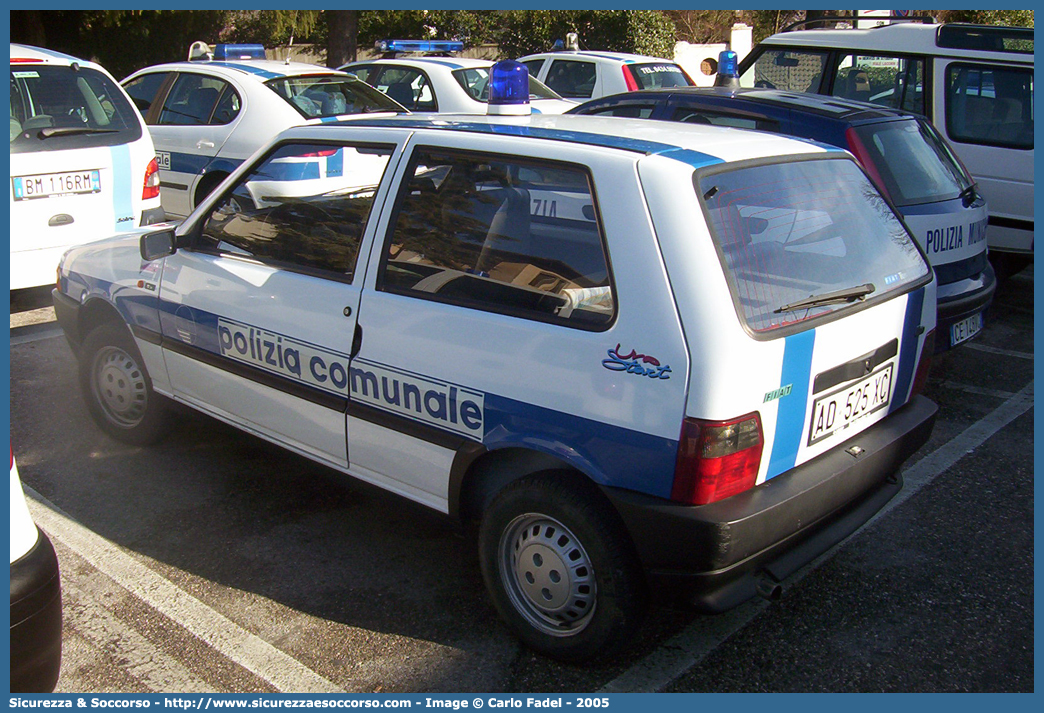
pixel 251 652
pixel 688 648
pixel 994 350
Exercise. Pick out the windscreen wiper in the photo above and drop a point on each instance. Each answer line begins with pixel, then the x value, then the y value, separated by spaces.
pixel 68 130
pixel 849 294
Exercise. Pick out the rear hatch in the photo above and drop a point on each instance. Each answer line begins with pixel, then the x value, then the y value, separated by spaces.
pixel 77 165
pixel 834 299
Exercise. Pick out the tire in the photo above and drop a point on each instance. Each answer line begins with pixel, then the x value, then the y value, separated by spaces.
pixel 117 387
pixel 560 569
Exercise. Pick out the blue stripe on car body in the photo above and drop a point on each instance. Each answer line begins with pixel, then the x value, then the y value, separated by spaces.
pixel 790 418
pixel 908 350
pixel 122 187
pixel 440 62
pixel 247 69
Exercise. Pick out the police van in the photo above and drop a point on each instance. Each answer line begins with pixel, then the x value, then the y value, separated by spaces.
pixel 975 83
pixel 82 162
pixel 712 377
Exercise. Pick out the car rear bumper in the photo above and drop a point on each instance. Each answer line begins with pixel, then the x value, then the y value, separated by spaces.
pixel 962 299
pixel 715 556
pixel 36 620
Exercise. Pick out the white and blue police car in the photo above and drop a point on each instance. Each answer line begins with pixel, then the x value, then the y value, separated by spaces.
pixel 82 162
pixel 693 385
pixel 582 74
pixel 210 113
pixel 424 76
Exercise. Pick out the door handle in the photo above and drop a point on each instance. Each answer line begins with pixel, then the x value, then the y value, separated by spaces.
pixel 356 341
pixel 204 144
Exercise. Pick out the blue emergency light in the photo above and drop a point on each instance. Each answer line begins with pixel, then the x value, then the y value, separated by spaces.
pixel 418 46
pixel 508 89
pixel 227 52
pixel 728 70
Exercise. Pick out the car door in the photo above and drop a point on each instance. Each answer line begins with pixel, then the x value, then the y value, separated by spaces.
pixel 197 115
pixel 259 311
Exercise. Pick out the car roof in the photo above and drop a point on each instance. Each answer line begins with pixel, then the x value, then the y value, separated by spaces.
pixel 770 100
pixel 694 145
pixel 39 54
pixel 259 69
pixel 620 57
pixel 427 62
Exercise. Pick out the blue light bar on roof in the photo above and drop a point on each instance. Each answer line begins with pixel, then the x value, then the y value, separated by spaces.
pixel 227 51
pixel 418 46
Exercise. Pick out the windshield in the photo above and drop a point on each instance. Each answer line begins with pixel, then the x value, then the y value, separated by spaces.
pixel 790 231
pixel 475 81
pixel 657 75
pixel 914 163
pixel 324 95
pixel 58 107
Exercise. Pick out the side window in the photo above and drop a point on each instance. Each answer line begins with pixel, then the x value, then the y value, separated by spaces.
pixel 631 111
pixel 191 100
pixel 795 70
pixel 304 207
pixel 990 105
pixel 365 72
pixel 500 234
pixel 571 78
pixel 227 108
pixel 142 90
pixel 409 87
pixel 701 116
pixel 896 82
pixel 534 66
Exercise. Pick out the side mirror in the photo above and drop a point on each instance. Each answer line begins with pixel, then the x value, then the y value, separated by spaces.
pixel 158 244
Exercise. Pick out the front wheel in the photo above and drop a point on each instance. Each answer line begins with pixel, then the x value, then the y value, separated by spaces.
pixel 117 387
pixel 560 569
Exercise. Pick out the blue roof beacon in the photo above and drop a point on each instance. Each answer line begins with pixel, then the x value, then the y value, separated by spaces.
pixel 509 89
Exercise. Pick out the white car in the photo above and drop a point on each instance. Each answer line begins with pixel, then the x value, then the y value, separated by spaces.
pixel 699 377
pixel 581 75
pixel 446 84
pixel 208 115
pixel 82 161
pixel 36 600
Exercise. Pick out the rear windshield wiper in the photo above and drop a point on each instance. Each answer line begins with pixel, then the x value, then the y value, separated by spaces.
pixel 849 294
pixel 67 130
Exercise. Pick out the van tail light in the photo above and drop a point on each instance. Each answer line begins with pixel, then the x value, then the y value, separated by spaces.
pixel 151 187
pixel 855 145
pixel 717 459
pixel 632 85
pixel 924 365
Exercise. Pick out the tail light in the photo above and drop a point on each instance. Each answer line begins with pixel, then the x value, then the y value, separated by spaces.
pixel 924 365
pixel 151 187
pixel 855 145
pixel 717 459
pixel 632 85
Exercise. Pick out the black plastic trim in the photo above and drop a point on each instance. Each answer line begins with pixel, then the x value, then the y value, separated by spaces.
pixel 36 619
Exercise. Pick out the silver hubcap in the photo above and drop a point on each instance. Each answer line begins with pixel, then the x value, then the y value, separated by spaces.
pixel 119 387
pixel 548 575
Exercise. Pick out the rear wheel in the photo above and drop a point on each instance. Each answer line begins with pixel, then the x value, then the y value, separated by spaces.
pixel 560 569
pixel 117 387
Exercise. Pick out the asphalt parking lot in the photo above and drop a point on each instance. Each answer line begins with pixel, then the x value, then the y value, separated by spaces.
pixel 216 562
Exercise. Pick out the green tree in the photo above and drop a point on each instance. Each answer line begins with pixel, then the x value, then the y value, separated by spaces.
pixel 648 32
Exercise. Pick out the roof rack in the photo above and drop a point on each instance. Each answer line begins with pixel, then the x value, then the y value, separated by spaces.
pixel 923 19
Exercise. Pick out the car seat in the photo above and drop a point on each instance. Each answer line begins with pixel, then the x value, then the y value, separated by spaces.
pixel 402 93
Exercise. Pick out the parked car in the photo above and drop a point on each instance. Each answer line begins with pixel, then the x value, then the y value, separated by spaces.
pixel 974 83
pixel 905 157
pixel 210 113
pixel 36 600
pixel 444 83
pixel 82 162
pixel 581 75
pixel 704 348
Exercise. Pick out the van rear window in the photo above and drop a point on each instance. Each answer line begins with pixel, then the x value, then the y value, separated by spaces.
pixel 54 108
pixel 805 239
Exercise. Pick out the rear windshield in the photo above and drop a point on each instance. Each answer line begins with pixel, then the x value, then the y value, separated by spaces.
pixel 655 75
pixel 54 108
pixel 914 163
pixel 475 81
pixel 788 232
pixel 319 96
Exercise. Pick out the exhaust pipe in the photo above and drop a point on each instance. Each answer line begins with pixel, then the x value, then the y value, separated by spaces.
pixel 768 587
